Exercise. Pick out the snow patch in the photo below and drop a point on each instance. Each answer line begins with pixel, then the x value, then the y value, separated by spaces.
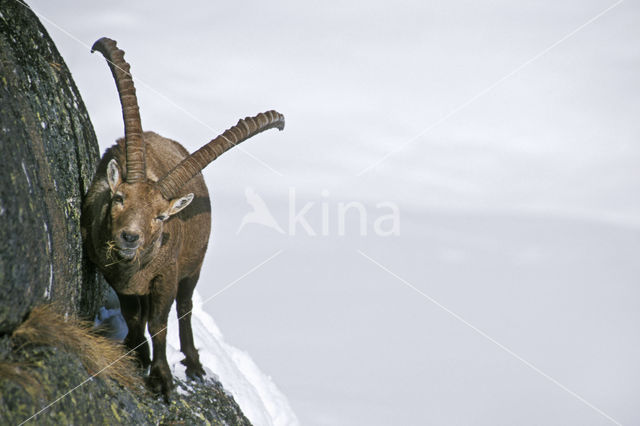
pixel 184 390
pixel 24 169
pixel 47 291
pixel 256 394
pixel 46 231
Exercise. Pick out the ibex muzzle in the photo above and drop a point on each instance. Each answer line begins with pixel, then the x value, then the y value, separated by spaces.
pixel 146 222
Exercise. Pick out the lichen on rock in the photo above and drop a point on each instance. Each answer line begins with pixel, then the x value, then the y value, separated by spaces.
pixel 100 401
pixel 49 151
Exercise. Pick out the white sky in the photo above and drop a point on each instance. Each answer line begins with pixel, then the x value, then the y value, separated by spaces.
pixel 518 200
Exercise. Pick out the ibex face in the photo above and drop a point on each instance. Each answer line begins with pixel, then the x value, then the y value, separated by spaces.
pixel 149 252
pixel 137 213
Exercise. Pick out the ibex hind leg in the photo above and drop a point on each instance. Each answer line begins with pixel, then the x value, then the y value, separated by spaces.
pixel 184 304
pixel 135 311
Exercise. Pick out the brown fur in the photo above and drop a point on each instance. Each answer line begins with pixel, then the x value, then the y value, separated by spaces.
pixel 99 355
pixel 166 265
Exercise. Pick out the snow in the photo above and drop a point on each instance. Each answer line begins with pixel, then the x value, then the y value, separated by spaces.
pixel 255 392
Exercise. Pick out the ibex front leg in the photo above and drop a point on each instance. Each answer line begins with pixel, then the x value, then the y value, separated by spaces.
pixel 135 310
pixel 163 293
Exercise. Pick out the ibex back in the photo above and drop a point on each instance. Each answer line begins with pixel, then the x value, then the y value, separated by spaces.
pixel 146 222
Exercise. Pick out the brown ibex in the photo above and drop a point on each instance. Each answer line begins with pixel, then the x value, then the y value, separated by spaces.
pixel 146 222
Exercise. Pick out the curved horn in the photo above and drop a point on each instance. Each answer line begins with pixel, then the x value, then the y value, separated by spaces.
pixel 130 112
pixel 173 181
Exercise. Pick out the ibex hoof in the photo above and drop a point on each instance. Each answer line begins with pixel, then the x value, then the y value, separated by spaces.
pixel 194 370
pixel 160 382
pixel 196 374
pixel 143 362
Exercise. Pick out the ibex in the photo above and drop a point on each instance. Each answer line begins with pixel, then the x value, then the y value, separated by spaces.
pixel 146 220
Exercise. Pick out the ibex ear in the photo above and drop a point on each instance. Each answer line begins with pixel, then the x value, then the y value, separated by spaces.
pixel 113 175
pixel 180 203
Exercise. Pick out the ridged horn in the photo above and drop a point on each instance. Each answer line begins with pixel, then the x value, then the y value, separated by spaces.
pixel 171 184
pixel 135 150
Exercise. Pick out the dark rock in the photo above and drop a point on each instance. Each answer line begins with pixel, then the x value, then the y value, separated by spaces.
pixel 62 380
pixel 49 151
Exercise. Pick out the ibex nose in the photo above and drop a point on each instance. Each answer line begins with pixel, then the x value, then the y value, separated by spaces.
pixel 130 238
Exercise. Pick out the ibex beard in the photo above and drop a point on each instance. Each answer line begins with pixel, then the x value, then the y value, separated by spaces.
pixel 146 221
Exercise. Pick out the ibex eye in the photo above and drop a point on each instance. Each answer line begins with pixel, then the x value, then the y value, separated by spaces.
pixel 162 217
pixel 118 199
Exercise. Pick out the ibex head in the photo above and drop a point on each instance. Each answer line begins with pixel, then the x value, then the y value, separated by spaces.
pixel 137 212
pixel 139 206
